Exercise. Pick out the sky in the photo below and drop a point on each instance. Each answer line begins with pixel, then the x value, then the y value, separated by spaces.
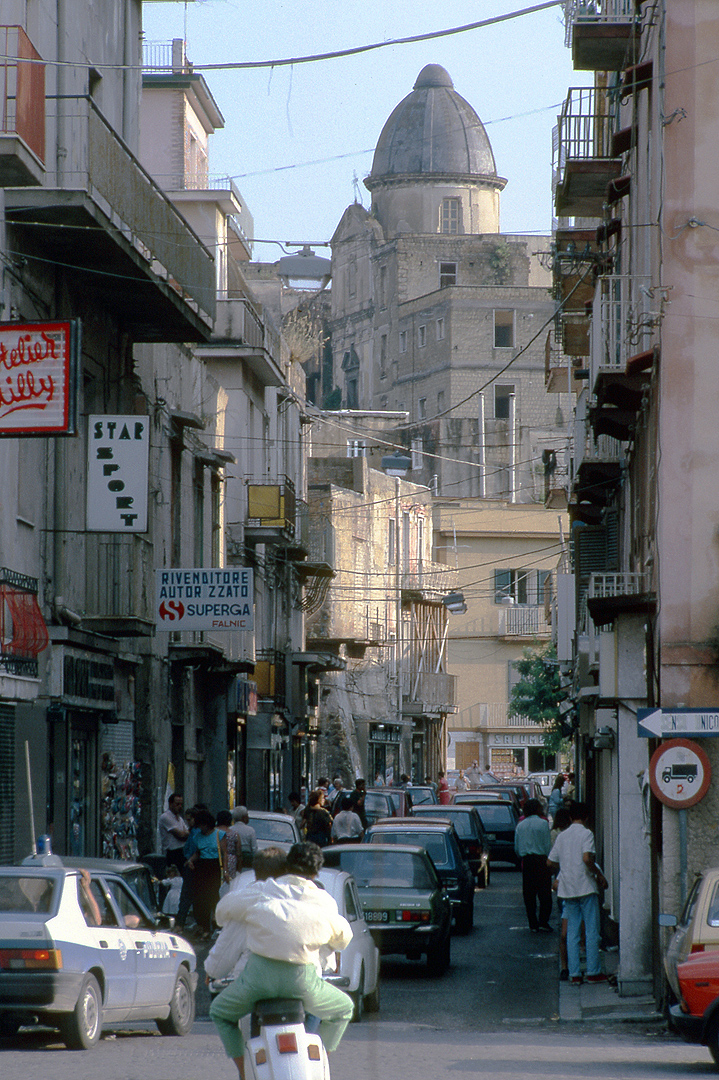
pixel 298 140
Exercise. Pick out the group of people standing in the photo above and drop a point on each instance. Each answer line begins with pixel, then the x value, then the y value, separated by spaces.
pixel 562 859
pixel 323 823
pixel 202 851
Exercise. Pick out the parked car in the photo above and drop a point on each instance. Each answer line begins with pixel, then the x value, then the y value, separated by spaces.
pixel 500 822
pixel 356 969
pixel 274 830
pixel 697 929
pixel 696 1016
pixel 405 906
pixel 482 795
pixel 470 831
pixel 422 795
pixel 77 975
pixel 545 781
pixel 439 839
pixel 378 803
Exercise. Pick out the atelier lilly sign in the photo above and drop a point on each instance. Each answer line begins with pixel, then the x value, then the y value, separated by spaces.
pixel 39 365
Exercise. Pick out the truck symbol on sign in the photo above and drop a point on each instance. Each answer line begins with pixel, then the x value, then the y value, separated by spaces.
pixel 679 772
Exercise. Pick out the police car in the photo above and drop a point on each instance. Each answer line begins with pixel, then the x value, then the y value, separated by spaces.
pixel 78 950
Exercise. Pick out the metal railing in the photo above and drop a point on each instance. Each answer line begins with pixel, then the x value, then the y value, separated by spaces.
pixel 624 317
pixel 596 11
pixel 492 714
pixel 521 621
pixel 22 90
pixel 584 129
pixel 434 580
pixel 617 584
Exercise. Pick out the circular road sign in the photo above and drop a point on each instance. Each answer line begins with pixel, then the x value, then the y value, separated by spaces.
pixel 680 773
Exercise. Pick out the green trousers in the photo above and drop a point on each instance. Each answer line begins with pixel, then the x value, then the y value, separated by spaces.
pixel 263 978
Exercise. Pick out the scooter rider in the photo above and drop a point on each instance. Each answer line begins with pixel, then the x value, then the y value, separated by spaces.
pixel 288 920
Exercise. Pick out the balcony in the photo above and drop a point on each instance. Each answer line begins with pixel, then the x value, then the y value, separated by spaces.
pixel 602 34
pixel 271 512
pixel 493 715
pixel 23 633
pixel 596 467
pixel 428 692
pixel 422 579
pixel 559 371
pixel 22 110
pixel 582 163
pixel 107 220
pixel 241 334
pixel 610 595
pixel 523 621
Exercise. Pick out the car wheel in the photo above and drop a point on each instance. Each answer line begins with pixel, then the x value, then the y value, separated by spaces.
pixel 371 1001
pixel 182 1008
pixel 358 999
pixel 712 1037
pixel 9 1027
pixel 82 1027
pixel 438 957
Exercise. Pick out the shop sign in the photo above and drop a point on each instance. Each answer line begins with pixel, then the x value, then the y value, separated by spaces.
pixel 39 365
pixel 83 678
pixel 516 740
pixel 118 454
pixel 204 599
pixel 244 699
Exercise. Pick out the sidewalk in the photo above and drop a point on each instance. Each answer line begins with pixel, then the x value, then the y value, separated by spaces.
pixel 600 1002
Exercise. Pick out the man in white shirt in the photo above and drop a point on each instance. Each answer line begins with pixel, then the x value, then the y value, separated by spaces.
pixel 347 827
pixel 173 832
pixel 288 921
pixel 578 889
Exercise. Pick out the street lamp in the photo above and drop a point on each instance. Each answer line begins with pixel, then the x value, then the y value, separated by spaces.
pixel 454 602
pixel 397 465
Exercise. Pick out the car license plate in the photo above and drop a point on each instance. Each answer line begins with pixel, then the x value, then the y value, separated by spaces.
pixel 376 916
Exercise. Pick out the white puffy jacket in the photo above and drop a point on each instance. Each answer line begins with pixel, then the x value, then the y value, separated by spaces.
pixel 287 918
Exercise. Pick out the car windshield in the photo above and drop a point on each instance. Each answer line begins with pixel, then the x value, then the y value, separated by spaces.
pixel 435 844
pixel 271 829
pixel 384 870
pixel 394 798
pixel 421 795
pixel 26 894
pixel 496 817
pixel 377 804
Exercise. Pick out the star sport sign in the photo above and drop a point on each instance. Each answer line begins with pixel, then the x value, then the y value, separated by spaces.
pixel 205 599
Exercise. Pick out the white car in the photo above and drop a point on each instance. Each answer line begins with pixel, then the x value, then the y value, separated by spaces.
pixel 356 969
pixel 76 954
pixel 274 830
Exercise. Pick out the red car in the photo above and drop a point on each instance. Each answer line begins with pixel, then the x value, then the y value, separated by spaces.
pixel 696 1017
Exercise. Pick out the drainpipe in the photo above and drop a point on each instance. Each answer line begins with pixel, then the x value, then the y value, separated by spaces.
pixel 62 91
pixel 482 452
pixel 513 447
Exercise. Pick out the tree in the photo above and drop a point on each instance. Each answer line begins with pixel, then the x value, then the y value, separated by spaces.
pixel 538 694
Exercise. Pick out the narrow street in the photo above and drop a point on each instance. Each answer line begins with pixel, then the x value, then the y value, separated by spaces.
pixel 493 1015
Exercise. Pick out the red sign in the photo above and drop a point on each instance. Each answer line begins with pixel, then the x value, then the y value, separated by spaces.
pixel 680 773
pixel 38 378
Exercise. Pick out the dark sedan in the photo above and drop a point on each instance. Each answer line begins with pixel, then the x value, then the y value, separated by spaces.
pixel 470 831
pixel 404 904
pixel 440 841
pixel 500 822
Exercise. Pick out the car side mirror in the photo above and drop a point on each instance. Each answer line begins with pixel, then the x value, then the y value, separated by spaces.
pixel 667 920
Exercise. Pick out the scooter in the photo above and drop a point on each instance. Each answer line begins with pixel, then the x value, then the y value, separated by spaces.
pixel 280 1048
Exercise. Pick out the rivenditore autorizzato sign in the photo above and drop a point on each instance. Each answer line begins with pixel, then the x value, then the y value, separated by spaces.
pixel 39 365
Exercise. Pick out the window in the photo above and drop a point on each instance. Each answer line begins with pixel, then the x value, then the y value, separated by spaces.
pixel 447 274
pixel 422 336
pixel 356 448
pixel 449 216
pixel 513 677
pixel 382 288
pixel 440 401
pixel 422 408
pixel 383 357
pixel 352 278
pixel 520 586
pixel 503 329
pixel 352 395
pixel 403 341
pixel 417 450
pixel 502 393
pixel 440 329
pixel 511 586
pixel 391 541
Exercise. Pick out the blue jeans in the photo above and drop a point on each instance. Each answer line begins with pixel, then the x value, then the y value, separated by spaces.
pixel 578 910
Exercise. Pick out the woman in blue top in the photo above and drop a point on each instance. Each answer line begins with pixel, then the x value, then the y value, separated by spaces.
pixel 555 798
pixel 205 868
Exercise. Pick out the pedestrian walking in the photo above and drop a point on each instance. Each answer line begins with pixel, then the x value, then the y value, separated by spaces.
pixel 532 843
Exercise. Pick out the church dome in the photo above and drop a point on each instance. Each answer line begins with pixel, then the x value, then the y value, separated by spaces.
pixel 433 132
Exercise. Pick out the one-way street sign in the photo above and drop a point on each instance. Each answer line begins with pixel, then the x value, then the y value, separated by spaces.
pixel 663 723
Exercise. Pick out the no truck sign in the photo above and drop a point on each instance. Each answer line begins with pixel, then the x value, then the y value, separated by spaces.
pixel 679 773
